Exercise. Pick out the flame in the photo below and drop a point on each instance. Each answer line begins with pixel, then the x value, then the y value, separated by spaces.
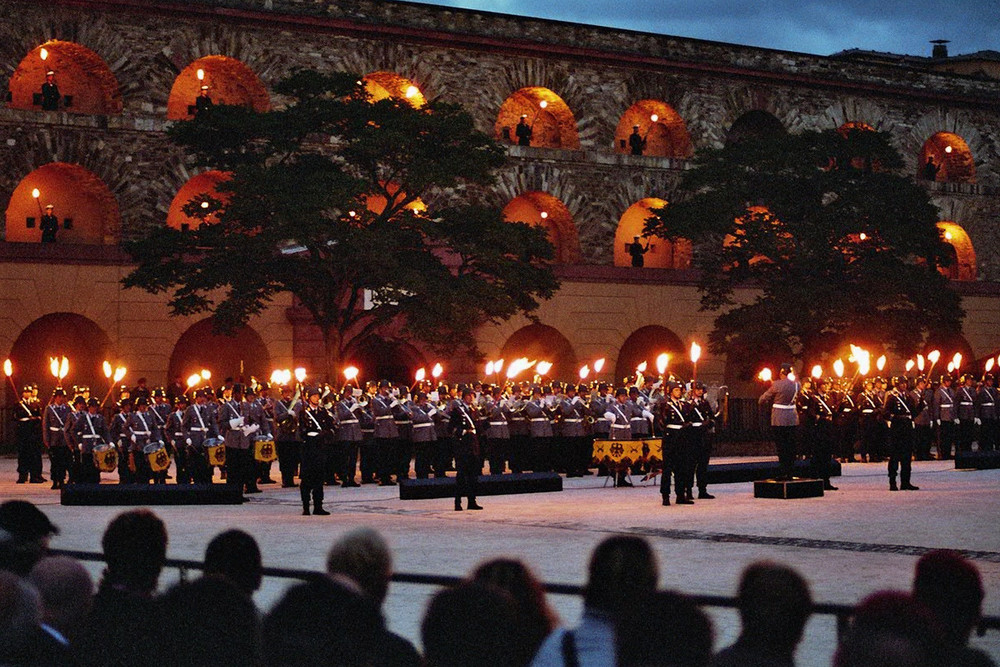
pixel 498 366
pixel 436 371
pixel 490 368
pixel 120 373
pixel 880 362
pixel 641 368
pixel 107 369
pixel 36 193
pixel 300 375
pixel 661 363
pixel 817 371
pixel 44 53
pixel 909 365
pixel 276 376
pixel 934 355
pixel 54 367
pixel 951 366
pixel 599 365
pixel 8 368
pixel 695 353
pixel 421 374
pixel 989 364
pixel 957 360
pixel 764 375
pixel 584 372
pixel 351 373
pixel 838 367
pixel 206 374
pixel 543 367
pixel 193 380
pixel 920 363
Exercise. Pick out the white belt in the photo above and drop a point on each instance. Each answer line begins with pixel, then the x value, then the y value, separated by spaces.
pixel 312 434
pixel 87 437
pixel 423 425
pixel 179 433
pixel 697 423
pixel 846 410
pixel 539 419
pixel 867 412
pixel 384 417
pixel 498 423
pixel 199 429
pixel 54 428
pixel 25 419
pixel 946 405
pixel 349 421
pixel 572 421
pixel 638 419
pixel 985 404
pixel 140 432
pixel 675 426
pixel 965 403
pixel 784 407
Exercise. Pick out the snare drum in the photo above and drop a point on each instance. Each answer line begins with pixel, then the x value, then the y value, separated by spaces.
pixel 263 449
pixel 216 451
pixel 157 455
pixel 105 458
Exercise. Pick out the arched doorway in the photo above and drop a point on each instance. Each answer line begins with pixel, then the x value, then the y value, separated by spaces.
pixel 241 354
pixel 84 206
pixel 542 209
pixel 963 256
pixel 378 358
pixel 662 254
pixel 756 124
pixel 205 185
pixel 76 337
pixel 663 129
pixel 946 157
pixel 539 342
pixel 383 85
pixel 553 124
pixel 646 344
pixel 229 82
pixel 85 82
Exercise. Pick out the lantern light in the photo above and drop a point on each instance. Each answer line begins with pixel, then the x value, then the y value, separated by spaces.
pixel 880 362
pixel 654 118
pixel 661 363
pixel 120 373
pixel 543 104
pixel 437 371
pixel 351 373
pixel 584 372
pixel 838 367
pixel 107 369
pixel 863 236
pixel 817 371
pixel 764 375
pixel 200 74
pixel 599 365
pixel 204 204
pixel 44 53
pixel 36 193
pixel 8 368
pixel 422 373
pixel 948 149
pixel 543 215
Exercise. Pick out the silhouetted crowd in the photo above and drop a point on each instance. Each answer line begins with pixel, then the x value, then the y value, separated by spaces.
pixel 50 614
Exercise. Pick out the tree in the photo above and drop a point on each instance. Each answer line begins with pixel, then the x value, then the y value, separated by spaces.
pixel 324 200
pixel 840 247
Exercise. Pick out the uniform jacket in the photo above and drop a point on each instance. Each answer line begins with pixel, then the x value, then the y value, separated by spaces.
pixel 782 392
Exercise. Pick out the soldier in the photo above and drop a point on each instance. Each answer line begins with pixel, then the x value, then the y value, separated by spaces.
pixel 203 102
pixel 79 407
pixel 49 225
pixel 404 445
pixel 784 418
pixel 50 92
pixel 314 424
pixel 262 414
pixel 639 416
pixel 54 438
pixel 845 424
pixel 349 435
pixel 539 431
pixel 986 402
pixel 118 431
pixel 286 435
pixel 900 407
pixel 577 448
pixel 636 142
pixel 820 417
pixel 467 462
pixel 140 390
pixel 423 433
pixel 943 413
pixel 520 429
pixel 923 430
pixel 967 419
pixel 700 429
pixel 90 431
pixel 871 414
pixel 28 429
pixel 176 436
pixel 637 251
pixel 383 405
pixel 142 430
pixel 235 428
pixel 523 131
pixel 367 456
pixel 200 425
pixel 160 408
pixel 674 420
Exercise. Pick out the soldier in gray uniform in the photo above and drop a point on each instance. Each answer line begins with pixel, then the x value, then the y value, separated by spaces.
pixel 54 437
pixel 639 416
pixel 986 403
pixel 90 431
pixel 386 433
pixel 923 429
pixel 576 454
pixel 232 420
pixel 347 411
pixel 118 431
pixel 967 420
pixel 142 430
pixel 286 435
pixel 497 432
pixel 267 405
pixel 784 418
pixel 519 430
pixel 539 430
pixel 444 449
pixel 199 425
pixel 944 413
pixel 423 433
pixel 404 445
pixel 176 437
pixel 79 407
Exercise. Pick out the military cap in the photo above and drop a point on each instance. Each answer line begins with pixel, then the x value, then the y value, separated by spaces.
pixel 59 391
pixel 621 391
pixel 900 379
pixel 159 392
pixel 93 402
pixel 142 400
pixel 79 400
pixel 313 391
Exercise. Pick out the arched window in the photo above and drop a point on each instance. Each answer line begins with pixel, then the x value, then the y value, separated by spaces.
pixel 542 209
pixel 756 124
pixel 550 120
pixel 83 81
pixel 382 85
pixel 382 359
pixel 223 80
pixel 205 183
pixel 661 131
pixel 200 347
pixel 83 207
pixel 539 342
pixel 963 256
pixel 659 253
pixel 946 157
pixel 646 344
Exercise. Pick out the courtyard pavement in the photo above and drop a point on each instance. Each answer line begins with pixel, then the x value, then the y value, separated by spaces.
pixel 847 544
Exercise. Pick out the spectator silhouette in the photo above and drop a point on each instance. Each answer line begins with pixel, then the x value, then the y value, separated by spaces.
pixel 66 591
pixel 24 536
pixel 891 629
pixel 668 631
pixel 234 554
pixel 22 640
pixel 774 604
pixel 471 624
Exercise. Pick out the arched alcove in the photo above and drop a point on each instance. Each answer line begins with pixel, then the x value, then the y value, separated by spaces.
pixel 205 183
pixel 380 359
pixel 86 209
pixel 663 129
pixel 963 264
pixel 229 81
pixel 755 124
pixel 552 122
pixel 662 254
pixel 85 82
pixel 946 157
pixel 241 354
pixel 539 342
pixel 383 85
pixel 542 209
pixel 647 343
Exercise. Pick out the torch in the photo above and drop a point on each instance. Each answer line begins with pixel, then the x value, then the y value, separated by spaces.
pixel 419 378
pixel 543 368
pixel 584 372
pixel 765 375
pixel 957 360
pixel 8 370
pixel 920 363
pixel 662 361
pixel 36 194
pixel 350 374
pixel 206 375
pixel 880 363
pixel 436 372
pixel 838 370
pixel 490 370
pixel 115 379
pixel 933 357
pixel 989 367
pixel 817 372
pixel 695 355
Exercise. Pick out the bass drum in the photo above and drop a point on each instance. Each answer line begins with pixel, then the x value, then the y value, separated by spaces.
pixel 105 458
pixel 215 449
pixel 263 449
pixel 157 455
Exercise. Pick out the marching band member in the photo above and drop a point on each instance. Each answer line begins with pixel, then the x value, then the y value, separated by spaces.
pixel 820 418
pixel 423 433
pixel 700 429
pixel 870 408
pixel 28 419
pixel 90 431
pixel 54 438
pixel 314 424
pixel 577 447
pixel 498 431
pixel 540 431
pixel 943 413
pixel 199 425
pixel 383 405
pixel 968 419
pixel 176 437
pixel 118 430
pixel 923 435
pixel 286 418
pixel 349 435
pixel 986 402
pixel 618 418
pixel 267 427
pixel 142 430
pixel 79 407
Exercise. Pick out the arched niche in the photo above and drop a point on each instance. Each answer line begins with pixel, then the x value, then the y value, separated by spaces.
pixel 205 183
pixel 78 338
pixel 946 157
pixel 85 207
pixel 663 129
pixel 383 85
pixel 229 81
pixel 646 344
pixel 755 124
pixel 380 359
pixel 544 210
pixel 85 82
pixel 539 342
pixel 241 354
pixel 963 256
pixel 553 124
pixel 662 254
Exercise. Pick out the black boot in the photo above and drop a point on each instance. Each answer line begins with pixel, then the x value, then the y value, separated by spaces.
pixel 319 511
pixel 892 484
pixel 827 486
pixel 666 500
pixel 305 509
pixel 703 494
pixel 458 504
pixel 472 505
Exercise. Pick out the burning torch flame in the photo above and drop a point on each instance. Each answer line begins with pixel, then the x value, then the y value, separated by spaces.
pixel 817 371
pixel 909 365
pixel 107 369
pixel 8 368
pixel 695 352
pixel 490 368
pixel 880 362
pixel 764 375
pixel 661 363
pixel 934 355
pixel 436 371
pixel 411 92
pixel 206 374
pixel 44 53
pixel 120 373
pixel 193 381
pixel 920 363
pixel 543 367
pixel 300 375
pixel 584 372
pixel 641 368
pixel 838 367
pixel 422 373
pixel 957 360
pixel 599 365
pixel 351 373
pixel 951 366
pixel 498 366
pixel 989 364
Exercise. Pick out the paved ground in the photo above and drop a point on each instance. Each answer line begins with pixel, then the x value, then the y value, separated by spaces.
pixel 854 541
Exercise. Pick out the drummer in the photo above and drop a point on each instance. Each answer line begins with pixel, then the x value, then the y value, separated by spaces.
pixel 90 431
pixel 142 432
pixel 199 426
pixel 176 438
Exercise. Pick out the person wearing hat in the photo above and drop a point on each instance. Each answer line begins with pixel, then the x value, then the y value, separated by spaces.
pixel 820 434
pixel 286 435
pixel 943 412
pixel 142 430
pixel 784 418
pixel 50 92
pixel 700 429
pixel 423 416
pixel 49 224
pixel 118 431
pixel 203 102
pixel 176 437
pixel 540 431
pixel 24 536
pixel 968 417
pixel 236 426
pixel 28 431
pixel 675 420
pixel 900 408
pixel 637 251
pixel 986 403
pixel 79 408
pixel 90 430
pixel 199 425
pixel 383 406
pixel 315 424
pixel 870 409
pixel 348 415
pixel 468 465
pixel 923 431
pixel 576 446
pixel 523 131
pixel 54 437
pixel 636 142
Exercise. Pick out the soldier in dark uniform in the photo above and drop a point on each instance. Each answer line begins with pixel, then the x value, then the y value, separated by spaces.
pixel 636 142
pixel 820 435
pixel 497 431
pixel 314 424
pixel 967 420
pixel 90 431
pixel 930 169
pixel 367 454
pixel 28 430
pixel 203 102
pixel 49 225
pixel 900 407
pixel 175 434
pixel 784 418
pixel 140 390
pixel 143 430
pixel 523 131
pixel 700 429
pixel 118 430
pixel 199 425
pixel 540 431
pixel 519 430
pixel 845 424
pixel 232 420
pixel 286 436
pixel 79 407
pixel 349 435
pixel 50 92
pixel 674 420
pixel 870 408
pixel 386 432
pixel 423 433
pixel 54 436
pixel 943 413
pixel 923 430
pixel 467 462
pixel 986 403
pixel 637 252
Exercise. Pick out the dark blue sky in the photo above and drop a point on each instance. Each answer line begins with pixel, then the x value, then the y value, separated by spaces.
pixel 810 26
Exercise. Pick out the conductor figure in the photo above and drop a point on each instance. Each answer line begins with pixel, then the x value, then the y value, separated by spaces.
pixel 49 225
pixel 636 142
pixel 637 250
pixel 523 131
pixel 50 92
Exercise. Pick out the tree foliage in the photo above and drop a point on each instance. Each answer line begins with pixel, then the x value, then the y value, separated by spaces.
pixel 839 245
pixel 302 212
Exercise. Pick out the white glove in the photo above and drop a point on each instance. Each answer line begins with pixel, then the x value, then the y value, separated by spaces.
pixel 394 403
pixel 978 421
pixel 647 414
pixel 433 396
pixel 610 416
pixel 577 399
pixel 188 441
pixel 133 437
pixel 957 422
pixel 355 407
pixel 356 393
pixel 236 423
pixel 250 430
pixel 432 412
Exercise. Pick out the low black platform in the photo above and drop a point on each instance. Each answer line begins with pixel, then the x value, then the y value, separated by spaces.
pixel 794 488
pixel 977 460
pixel 150 494
pixel 489 485
pixel 729 473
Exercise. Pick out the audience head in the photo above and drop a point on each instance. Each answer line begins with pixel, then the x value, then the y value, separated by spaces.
pixel 135 548
pixel 532 610
pixel 471 624
pixel 66 592
pixel 774 604
pixel 363 556
pixel 951 587
pixel 235 555
pixel 20 616
pixel 622 569
pixel 24 536
pixel 669 630
pixel 890 629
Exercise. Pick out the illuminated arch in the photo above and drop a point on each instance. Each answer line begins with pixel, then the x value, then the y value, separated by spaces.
pixel 756 124
pixel 542 343
pixel 846 128
pixel 78 338
pixel 963 266
pixel 767 216
pixel 376 202
pixel 645 344
pixel 202 184
pixel 382 85
pixel 542 209
pixel 666 136
pixel 383 359
pixel 80 74
pixel 241 354
pixel 662 253
pixel 78 195
pixel 951 155
pixel 229 80
pixel 553 124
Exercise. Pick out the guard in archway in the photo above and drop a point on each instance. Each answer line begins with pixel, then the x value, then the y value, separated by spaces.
pixel 523 131
pixel 636 142
pixel 637 251
pixel 49 225
pixel 203 102
pixel 50 92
